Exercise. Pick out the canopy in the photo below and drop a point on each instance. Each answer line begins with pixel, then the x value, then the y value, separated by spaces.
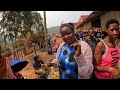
pixel 18 64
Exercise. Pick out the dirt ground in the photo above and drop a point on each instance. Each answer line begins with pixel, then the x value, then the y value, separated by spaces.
pixel 28 72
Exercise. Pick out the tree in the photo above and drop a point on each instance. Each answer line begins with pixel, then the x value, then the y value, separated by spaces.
pixel 14 24
pixel 39 27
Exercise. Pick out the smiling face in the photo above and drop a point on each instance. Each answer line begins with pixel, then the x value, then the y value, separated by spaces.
pixel 67 34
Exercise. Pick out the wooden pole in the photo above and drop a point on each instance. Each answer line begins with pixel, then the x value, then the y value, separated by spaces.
pixel 45 30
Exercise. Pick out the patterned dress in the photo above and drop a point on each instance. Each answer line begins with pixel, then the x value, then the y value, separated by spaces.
pixel 65 57
pixel 68 67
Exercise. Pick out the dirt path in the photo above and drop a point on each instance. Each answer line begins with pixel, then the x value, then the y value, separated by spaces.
pixel 28 71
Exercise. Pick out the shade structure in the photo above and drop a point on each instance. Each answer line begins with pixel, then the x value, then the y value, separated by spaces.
pixel 18 64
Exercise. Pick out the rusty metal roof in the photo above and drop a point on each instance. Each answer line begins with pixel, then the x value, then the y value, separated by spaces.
pixel 92 16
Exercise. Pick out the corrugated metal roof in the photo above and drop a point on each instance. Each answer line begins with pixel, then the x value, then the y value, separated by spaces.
pixel 92 16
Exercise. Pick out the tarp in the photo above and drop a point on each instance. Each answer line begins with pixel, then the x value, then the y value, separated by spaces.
pixel 18 64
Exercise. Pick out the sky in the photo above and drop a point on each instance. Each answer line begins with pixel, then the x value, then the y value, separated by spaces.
pixel 55 18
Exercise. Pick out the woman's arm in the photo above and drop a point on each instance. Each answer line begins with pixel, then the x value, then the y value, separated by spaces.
pixel 98 56
pixel 84 61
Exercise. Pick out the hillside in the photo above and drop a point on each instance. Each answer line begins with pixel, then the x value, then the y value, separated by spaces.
pixel 53 30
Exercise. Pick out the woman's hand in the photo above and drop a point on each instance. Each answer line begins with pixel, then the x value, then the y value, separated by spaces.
pixel 118 77
pixel 115 72
pixel 77 48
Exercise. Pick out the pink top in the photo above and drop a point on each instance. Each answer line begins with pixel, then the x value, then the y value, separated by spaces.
pixel 84 61
pixel 109 59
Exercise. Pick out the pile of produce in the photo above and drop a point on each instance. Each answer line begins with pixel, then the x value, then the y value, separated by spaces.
pixel 43 71
pixel 48 71
pixel 54 75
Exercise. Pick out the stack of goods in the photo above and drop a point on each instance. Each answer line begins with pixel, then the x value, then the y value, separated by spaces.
pixel 48 71
pixel 54 75
pixel 43 71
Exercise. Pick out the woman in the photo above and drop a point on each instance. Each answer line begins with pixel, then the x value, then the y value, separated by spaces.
pixel 106 53
pixel 37 62
pixel 5 69
pixel 74 57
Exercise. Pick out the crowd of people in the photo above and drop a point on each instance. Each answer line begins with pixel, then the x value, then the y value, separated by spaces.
pixel 92 55
pixel 88 55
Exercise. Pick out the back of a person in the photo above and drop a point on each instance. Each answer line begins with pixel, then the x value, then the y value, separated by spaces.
pixel 5 69
pixel 36 63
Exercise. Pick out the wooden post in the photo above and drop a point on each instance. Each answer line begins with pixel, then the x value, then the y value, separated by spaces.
pixel 45 30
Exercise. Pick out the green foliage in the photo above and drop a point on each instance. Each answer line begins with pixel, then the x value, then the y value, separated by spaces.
pixel 14 24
